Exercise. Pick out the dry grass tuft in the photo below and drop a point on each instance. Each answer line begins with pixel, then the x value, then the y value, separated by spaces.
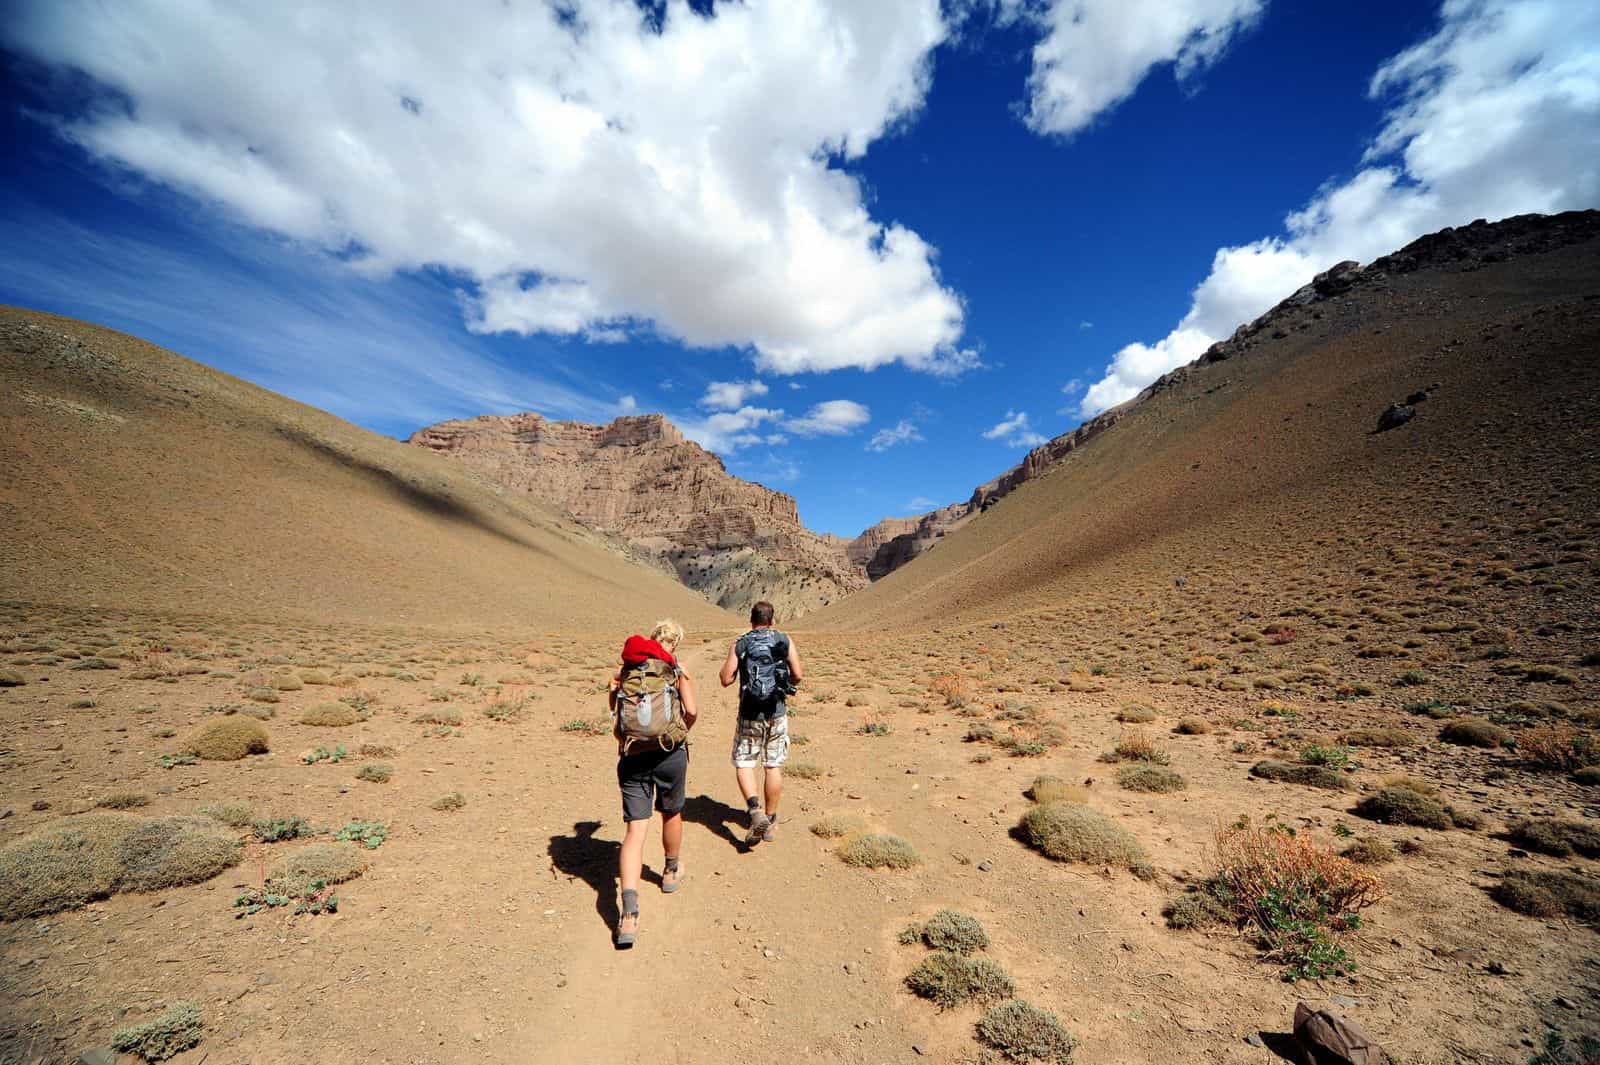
pixel 330 715
pixel 171 1033
pixel 1193 726
pixel 872 850
pixel 948 979
pixel 1369 850
pixel 1376 737
pixel 70 863
pixel 375 772
pixel 1557 837
pixel 1196 908
pixel 1047 788
pixel 836 826
pixel 123 800
pixel 1550 894
pixel 1072 832
pixel 802 770
pixel 1315 776
pixel 227 739
pixel 453 801
pixel 1136 714
pixel 1402 806
pixel 954 931
pixel 331 863
pixel 1142 776
pixel 1564 747
pixel 1137 747
pixel 232 814
pixel 1474 732
pixel 1020 1031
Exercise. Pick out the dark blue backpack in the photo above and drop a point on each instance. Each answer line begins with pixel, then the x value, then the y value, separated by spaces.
pixel 764 666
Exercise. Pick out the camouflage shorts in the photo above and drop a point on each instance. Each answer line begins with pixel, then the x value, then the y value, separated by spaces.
pixel 763 741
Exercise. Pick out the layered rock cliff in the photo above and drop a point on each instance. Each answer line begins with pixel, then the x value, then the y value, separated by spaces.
pixel 641 480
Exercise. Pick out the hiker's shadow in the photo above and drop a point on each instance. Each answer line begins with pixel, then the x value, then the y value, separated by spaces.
pixel 594 861
pixel 715 815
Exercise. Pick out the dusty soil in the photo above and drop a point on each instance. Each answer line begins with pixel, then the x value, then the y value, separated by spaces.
pixel 484 933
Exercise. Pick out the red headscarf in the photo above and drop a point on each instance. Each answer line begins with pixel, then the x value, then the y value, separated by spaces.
pixel 638 649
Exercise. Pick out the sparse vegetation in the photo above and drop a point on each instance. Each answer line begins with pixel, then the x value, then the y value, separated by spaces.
pixel 948 979
pixel 1556 837
pixel 835 826
pixel 232 814
pixel 370 834
pixel 123 800
pixel 1136 714
pixel 874 850
pixel 802 770
pixel 1047 788
pixel 277 829
pixel 375 772
pixel 1561 747
pixel 1474 732
pixel 1193 726
pixel 1376 737
pixel 1072 832
pixel 330 715
pixel 324 863
pixel 1402 806
pixel 227 739
pixel 1022 1032
pixel 93 856
pixel 1315 776
pixel 1142 776
pixel 453 801
pixel 1549 894
pixel 953 931
pixel 179 1028
pixel 1369 850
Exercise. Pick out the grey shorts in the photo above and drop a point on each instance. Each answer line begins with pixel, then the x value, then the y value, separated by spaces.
pixel 653 778
pixel 761 741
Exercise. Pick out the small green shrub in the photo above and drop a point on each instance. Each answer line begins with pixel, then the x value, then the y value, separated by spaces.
pixel 1376 737
pixel 878 851
pixel 453 801
pixel 1402 806
pixel 232 814
pixel 1142 776
pixel 375 772
pixel 322 754
pixel 875 728
pixel 439 715
pixel 1022 1032
pixel 370 834
pixel 1072 832
pixel 123 800
pixel 949 979
pixel 1332 757
pixel 177 1029
pixel 1315 776
pixel 1197 908
pixel 1550 894
pixel 954 931
pixel 277 829
pixel 1557 837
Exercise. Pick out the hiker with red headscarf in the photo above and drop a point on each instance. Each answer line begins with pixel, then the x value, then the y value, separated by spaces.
pixel 653 709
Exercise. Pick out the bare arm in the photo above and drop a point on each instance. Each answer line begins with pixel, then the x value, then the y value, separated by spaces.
pixel 686 693
pixel 795 673
pixel 730 668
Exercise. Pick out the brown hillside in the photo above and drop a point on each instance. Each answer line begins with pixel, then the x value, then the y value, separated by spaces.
pixel 1258 481
pixel 641 480
pixel 134 478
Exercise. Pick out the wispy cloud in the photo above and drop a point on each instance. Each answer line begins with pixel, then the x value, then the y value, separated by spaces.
pixel 902 432
pixel 731 395
pixel 388 355
pixel 834 417
pixel 1014 431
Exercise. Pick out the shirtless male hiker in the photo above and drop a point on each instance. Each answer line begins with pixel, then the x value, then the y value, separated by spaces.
pixel 767 666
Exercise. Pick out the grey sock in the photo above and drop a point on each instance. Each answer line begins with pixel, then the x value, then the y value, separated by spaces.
pixel 672 865
pixel 630 901
pixel 752 802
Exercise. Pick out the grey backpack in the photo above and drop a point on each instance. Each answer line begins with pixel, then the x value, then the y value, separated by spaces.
pixel 762 670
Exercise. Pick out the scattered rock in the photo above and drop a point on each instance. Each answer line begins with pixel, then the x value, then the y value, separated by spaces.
pixel 1396 416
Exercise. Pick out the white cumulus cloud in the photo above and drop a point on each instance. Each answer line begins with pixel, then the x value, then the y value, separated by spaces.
pixel 1094 53
pixel 583 169
pixel 1014 431
pixel 1496 113
pixel 903 431
pixel 731 395
pixel 727 431
pixel 834 417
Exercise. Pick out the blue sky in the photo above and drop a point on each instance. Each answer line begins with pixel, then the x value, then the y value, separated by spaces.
pixel 867 253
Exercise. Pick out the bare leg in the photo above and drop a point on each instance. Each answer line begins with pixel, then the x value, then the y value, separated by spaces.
pixel 774 783
pixel 631 861
pixel 747 783
pixel 671 835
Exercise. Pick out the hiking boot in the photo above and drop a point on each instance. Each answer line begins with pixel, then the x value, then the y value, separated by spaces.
pixel 759 824
pixel 770 833
pixel 670 879
pixel 627 928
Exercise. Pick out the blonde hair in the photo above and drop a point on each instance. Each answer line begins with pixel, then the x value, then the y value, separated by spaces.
pixel 667 633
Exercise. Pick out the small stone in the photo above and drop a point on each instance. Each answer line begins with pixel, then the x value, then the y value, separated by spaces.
pixel 985 865
pixel 849 967
pixel 1565 1003
pixel 1344 1002
pixel 7 812
pixel 916 1048
pixel 40 805
pixel 1254 1040
pixel 769 953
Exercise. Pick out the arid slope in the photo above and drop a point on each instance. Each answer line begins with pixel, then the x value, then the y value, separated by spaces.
pixel 134 478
